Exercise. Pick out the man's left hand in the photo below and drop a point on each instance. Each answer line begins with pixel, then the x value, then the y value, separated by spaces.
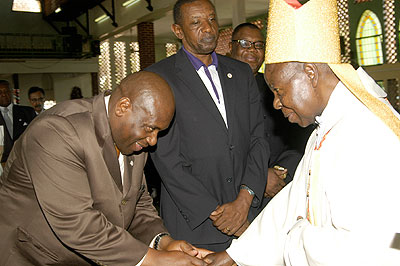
pixel 230 217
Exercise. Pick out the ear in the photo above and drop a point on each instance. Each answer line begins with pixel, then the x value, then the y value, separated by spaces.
pixel 312 73
pixel 177 30
pixel 123 105
pixel 230 47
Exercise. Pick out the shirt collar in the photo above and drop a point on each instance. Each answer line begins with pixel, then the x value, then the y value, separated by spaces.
pixel 197 64
pixel 9 107
pixel 106 101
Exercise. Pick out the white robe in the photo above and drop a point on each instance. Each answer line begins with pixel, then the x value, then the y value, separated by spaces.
pixel 354 195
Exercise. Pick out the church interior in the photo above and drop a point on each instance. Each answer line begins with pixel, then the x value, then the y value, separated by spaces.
pixel 94 44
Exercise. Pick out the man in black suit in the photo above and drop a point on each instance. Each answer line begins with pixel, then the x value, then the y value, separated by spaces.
pixel 14 118
pixel 286 140
pixel 213 161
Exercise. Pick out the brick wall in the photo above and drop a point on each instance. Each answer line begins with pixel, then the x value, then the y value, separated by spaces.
pixel 146 44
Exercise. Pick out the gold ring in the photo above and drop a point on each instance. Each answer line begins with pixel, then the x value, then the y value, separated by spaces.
pixel 227 229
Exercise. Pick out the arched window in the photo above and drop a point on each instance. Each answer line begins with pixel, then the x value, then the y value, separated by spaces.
pixel 369 40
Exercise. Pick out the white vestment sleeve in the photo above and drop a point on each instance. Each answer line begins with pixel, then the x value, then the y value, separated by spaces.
pixel 315 246
pixel 262 243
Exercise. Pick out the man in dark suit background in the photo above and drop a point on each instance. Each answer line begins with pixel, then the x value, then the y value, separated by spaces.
pixel 213 160
pixel 286 140
pixel 14 118
pixel 73 190
pixel 36 96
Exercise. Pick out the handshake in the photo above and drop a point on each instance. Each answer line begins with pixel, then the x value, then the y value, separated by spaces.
pixel 180 252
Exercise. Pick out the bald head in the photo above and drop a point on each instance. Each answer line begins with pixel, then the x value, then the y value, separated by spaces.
pixel 141 106
pixel 138 84
pixel 301 90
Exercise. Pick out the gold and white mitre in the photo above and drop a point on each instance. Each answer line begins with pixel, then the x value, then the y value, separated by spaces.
pixel 310 33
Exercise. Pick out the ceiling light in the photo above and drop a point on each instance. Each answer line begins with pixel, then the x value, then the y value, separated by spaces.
pixel 101 18
pixel 130 3
pixel 26 6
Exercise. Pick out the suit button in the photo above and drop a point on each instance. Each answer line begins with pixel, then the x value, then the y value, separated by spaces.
pixel 265 116
pixel 231 147
pixel 123 202
pixel 229 179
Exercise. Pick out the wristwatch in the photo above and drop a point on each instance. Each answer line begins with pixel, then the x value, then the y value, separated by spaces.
pixel 251 192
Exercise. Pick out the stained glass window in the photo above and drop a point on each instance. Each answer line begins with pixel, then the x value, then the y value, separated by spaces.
pixel 369 40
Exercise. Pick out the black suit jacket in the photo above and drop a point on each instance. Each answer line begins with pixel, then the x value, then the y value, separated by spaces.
pixel 202 163
pixel 22 116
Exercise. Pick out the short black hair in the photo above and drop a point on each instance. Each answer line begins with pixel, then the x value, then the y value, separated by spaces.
pixel 5 82
pixel 35 89
pixel 177 9
pixel 244 25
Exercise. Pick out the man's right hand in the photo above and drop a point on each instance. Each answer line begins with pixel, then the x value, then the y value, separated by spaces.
pixel 275 181
pixel 170 258
pixel 219 259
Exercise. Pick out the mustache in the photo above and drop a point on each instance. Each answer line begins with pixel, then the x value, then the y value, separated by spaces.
pixel 209 37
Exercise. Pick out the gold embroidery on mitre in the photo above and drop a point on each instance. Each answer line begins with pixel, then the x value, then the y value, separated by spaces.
pixel 307 34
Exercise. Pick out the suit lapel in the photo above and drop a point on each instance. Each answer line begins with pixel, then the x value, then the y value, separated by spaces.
pixel 111 159
pixel 7 142
pixel 227 77
pixel 189 76
pixel 16 118
pixel 104 138
pixel 128 166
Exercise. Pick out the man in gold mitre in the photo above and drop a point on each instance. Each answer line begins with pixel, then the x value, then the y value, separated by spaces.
pixel 342 208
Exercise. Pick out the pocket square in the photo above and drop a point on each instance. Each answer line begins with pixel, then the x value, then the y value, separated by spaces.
pixel 24 124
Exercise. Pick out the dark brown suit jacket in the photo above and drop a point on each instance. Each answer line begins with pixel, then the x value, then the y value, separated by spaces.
pixel 62 201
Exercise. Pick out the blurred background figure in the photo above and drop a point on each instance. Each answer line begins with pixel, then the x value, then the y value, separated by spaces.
pixel 14 118
pixel 36 97
pixel 76 93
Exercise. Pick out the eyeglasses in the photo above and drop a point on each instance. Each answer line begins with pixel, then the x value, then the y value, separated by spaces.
pixel 259 45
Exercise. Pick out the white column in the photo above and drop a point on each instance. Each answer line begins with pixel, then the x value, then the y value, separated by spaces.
pixel 238 12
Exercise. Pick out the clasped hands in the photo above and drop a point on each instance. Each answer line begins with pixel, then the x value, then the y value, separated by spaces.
pixel 175 252
pixel 229 218
pixel 181 253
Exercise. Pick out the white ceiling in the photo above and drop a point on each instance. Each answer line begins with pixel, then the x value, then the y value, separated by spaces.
pixel 162 18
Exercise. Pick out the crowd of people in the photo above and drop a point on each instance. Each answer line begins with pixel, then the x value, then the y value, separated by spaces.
pixel 296 166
